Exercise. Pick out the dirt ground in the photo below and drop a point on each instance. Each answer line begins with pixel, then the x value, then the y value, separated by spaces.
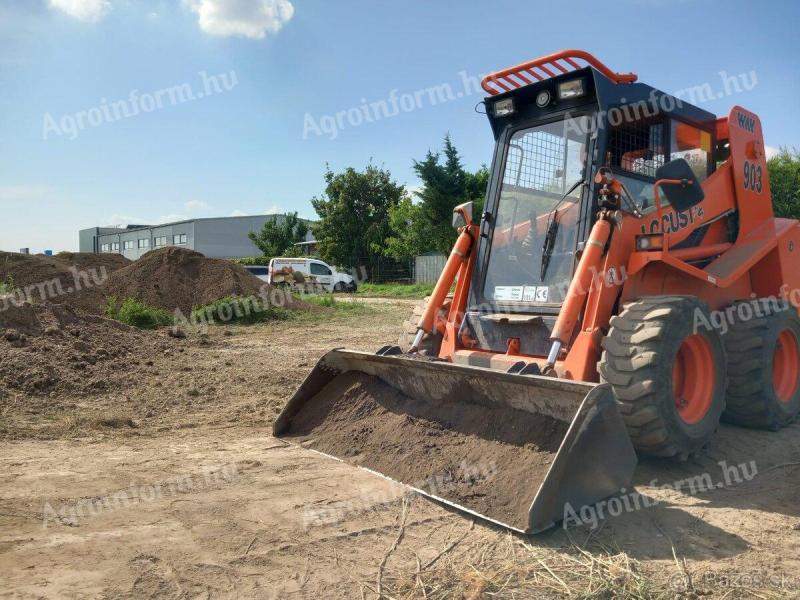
pixel 169 485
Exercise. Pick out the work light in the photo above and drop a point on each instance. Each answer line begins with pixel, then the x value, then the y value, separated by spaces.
pixel 571 89
pixel 503 108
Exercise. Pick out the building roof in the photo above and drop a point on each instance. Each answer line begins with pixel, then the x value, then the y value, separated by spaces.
pixel 140 227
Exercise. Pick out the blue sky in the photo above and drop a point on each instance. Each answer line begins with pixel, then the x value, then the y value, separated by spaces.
pixel 71 156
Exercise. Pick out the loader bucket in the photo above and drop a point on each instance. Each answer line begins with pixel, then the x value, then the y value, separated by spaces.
pixel 515 450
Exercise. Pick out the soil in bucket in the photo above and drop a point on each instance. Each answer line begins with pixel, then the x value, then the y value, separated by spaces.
pixel 491 460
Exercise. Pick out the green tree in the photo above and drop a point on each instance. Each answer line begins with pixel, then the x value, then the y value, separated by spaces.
pixel 784 179
pixel 354 214
pixel 408 232
pixel 427 225
pixel 278 236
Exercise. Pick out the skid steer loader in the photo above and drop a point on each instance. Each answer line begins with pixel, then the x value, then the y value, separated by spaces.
pixel 626 287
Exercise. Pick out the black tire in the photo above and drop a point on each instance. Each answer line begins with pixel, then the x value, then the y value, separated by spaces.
pixel 751 343
pixel 430 343
pixel 339 287
pixel 640 353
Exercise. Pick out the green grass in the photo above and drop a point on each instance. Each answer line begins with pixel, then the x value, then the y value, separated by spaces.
pixel 244 310
pixel 136 313
pixel 353 307
pixel 251 310
pixel 395 290
pixel 240 310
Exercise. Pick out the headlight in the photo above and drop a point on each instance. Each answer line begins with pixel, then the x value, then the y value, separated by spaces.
pixel 571 89
pixel 503 107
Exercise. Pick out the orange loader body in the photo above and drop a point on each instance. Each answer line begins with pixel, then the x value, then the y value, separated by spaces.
pixel 763 262
pixel 745 254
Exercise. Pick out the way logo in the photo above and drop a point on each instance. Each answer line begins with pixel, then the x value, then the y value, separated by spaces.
pixel 745 122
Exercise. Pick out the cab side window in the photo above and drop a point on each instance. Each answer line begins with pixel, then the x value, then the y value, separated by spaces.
pixel 693 145
pixel 635 152
pixel 318 269
pixel 637 147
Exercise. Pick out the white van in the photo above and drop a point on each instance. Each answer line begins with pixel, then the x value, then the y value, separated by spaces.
pixel 310 275
pixel 259 271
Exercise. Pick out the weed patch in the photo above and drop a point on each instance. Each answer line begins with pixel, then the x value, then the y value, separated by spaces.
pixel 136 313
pixel 7 286
pixel 244 309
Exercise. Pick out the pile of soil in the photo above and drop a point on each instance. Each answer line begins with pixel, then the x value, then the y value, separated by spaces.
pixel 89 260
pixel 47 348
pixel 171 278
pixel 32 269
pixel 168 278
pixel 478 457
pixel 72 278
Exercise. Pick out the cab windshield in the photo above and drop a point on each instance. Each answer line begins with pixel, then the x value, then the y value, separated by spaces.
pixel 542 165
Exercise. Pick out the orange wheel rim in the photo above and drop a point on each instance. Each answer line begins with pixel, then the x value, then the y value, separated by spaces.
pixel 785 367
pixel 694 377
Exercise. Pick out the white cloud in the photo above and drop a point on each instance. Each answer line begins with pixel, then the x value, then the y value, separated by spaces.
pixel 413 190
pixel 91 11
pixel 196 205
pixel 246 18
pixel 771 151
pixel 238 213
pixel 171 219
pixel 274 210
pixel 122 221
pixel 10 193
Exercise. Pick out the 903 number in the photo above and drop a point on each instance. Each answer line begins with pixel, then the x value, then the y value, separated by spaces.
pixel 752 177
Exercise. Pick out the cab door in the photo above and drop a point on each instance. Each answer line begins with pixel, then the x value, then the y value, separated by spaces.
pixel 322 275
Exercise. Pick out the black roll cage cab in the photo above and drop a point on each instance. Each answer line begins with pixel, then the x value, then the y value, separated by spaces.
pixel 604 92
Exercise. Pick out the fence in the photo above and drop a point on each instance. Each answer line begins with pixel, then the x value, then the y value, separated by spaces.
pixel 379 269
pixel 425 268
pixel 428 267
